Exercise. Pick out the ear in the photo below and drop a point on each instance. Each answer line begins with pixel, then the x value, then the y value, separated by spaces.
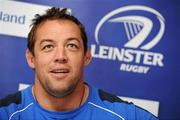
pixel 87 57
pixel 30 59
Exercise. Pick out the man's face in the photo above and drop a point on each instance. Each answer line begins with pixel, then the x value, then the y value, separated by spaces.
pixel 59 57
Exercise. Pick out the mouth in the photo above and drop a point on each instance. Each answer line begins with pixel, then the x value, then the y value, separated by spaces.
pixel 60 72
pixel 56 71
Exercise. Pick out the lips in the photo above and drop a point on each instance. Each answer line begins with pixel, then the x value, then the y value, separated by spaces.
pixel 59 72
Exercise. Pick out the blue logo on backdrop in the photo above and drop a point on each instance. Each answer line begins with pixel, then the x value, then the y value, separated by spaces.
pixel 141 34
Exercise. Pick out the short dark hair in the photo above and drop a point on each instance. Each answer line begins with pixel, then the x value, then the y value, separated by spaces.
pixel 54 14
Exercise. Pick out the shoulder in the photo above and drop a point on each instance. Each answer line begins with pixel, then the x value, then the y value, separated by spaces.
pixel 126 109
pixel 113 102
pixel 16 99
pixel 14 104
pixel 9 104
pixel 105 96
pixel 10 99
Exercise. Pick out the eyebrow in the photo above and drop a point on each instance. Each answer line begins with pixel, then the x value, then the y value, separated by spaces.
pixel 68 39
pixel 46 40
pixel 73 38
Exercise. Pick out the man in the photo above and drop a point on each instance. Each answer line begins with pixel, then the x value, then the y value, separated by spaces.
pixel 57 51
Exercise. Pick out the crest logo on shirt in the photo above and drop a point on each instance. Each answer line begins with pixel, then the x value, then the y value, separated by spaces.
pixel 143 27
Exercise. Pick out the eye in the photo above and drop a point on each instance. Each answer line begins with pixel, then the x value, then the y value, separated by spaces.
pixel 72 46
pixel 47 48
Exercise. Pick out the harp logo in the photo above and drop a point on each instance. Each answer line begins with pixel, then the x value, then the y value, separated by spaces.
pixel 134 55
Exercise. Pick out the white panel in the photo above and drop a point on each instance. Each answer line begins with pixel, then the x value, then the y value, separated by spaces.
pixel 15 17
pixel 23 86
pixel 149 105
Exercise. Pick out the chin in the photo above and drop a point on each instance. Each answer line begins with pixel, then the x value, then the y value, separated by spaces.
pixel 60 92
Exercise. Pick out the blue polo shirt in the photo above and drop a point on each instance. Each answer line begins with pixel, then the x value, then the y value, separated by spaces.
pixel 98 106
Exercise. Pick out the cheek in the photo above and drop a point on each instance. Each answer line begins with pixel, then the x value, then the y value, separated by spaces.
pixel 39 65
pixel 78 64
pixel 77 59
pixel 41 62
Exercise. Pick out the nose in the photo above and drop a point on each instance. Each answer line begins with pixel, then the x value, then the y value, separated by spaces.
pixel 60 55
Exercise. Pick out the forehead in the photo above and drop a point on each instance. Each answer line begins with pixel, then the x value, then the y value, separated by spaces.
pixel 58 28
pixel 58 25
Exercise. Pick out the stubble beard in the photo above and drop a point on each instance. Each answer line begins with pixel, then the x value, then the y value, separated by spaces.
pixel 60 93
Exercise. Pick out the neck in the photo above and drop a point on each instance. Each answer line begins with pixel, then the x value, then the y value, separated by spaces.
pixel 67 103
